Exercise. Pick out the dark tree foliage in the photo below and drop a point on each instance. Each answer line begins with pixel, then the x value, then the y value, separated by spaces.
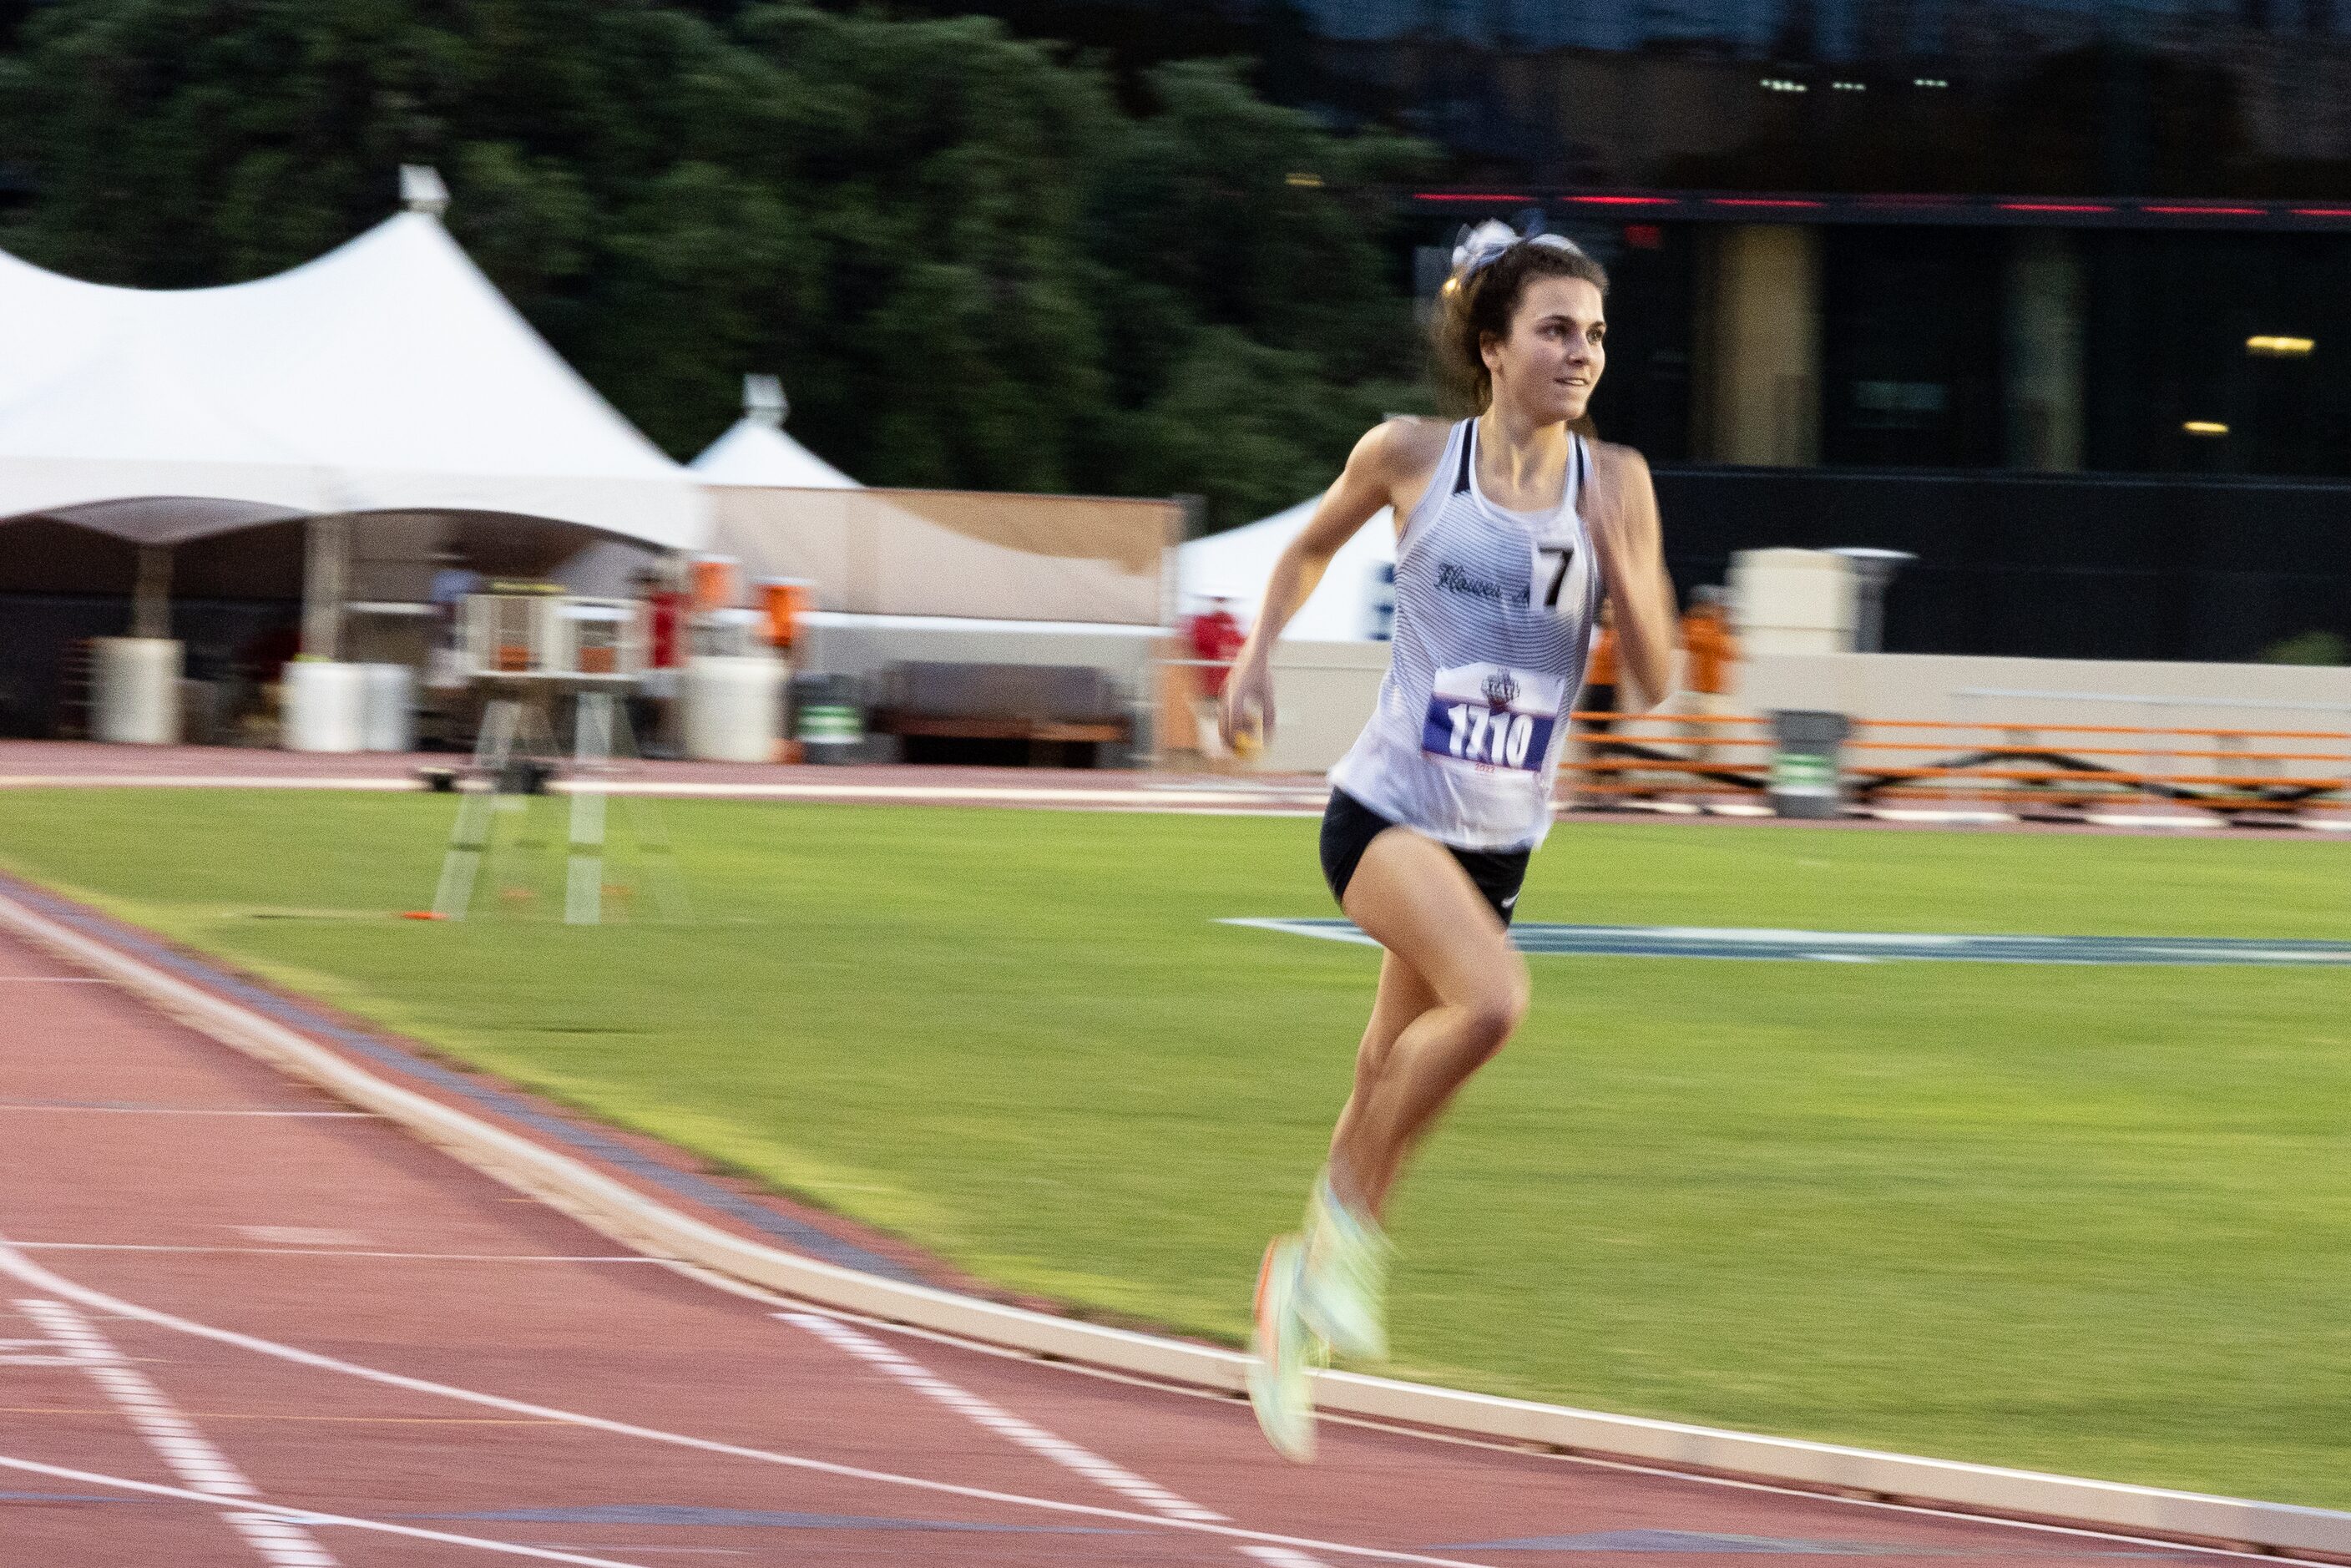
pixel 974 264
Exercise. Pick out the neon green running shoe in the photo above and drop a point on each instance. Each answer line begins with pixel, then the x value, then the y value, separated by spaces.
pixel 1343 1290
pixel 1279 1350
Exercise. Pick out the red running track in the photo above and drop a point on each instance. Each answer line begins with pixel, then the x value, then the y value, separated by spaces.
pixel 219 1283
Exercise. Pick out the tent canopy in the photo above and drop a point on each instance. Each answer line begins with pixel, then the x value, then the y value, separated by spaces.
pixel 387 376
pixel 1343 607
pixel 754 451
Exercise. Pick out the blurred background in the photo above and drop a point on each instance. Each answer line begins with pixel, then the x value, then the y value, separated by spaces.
pixel 2040 302
pixel 421 405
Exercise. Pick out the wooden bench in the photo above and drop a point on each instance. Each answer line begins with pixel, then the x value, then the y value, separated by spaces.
pixel 1040 707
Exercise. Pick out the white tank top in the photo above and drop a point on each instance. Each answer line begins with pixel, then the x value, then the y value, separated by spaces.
pixel 1494 612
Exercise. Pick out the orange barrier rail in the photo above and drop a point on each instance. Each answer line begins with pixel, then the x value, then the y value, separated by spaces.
pixel 2033 766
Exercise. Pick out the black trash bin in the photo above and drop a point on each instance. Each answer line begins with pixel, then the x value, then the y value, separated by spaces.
pixel 828 718
pixel 1807 762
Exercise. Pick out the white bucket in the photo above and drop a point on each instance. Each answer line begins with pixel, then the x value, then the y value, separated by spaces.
pixel 135 691
pixel 733 706
pixel 326 705
pixel 388 718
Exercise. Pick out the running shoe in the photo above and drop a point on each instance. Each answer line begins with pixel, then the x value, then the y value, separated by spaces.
pixel 1342 1289
pixel 1278 1387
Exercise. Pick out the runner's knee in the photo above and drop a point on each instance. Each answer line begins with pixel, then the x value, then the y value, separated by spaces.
pixel 1498 1005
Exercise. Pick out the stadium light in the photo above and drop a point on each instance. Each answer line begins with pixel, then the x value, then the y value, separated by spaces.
pixel 2205 427
pixel 2276 348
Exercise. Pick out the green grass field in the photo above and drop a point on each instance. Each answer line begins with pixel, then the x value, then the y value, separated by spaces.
pixel 2093 1220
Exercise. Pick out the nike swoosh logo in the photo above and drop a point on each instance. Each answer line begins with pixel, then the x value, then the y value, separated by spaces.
pixel 1509 901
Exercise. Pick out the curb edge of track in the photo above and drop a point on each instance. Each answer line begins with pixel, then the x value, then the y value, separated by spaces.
pixel 636 1220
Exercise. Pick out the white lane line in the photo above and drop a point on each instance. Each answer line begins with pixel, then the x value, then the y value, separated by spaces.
pixel 340 1252
pixel 187 1451
pixel 279 1513
pixel 181 1110
pixel 15 1262
pixel 997 1420
pixel 1027 1433
pixel 2155 1544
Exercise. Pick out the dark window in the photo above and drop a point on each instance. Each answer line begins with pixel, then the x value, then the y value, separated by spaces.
pixel 1910 326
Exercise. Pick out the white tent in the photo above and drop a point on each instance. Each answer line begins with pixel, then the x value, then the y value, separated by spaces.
pixel 1346 606
pixel 388 375
pixel 758 452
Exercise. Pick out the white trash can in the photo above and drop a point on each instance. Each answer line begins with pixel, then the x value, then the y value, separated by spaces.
pixel 326 705
pixel 388 717
pixel 733 706
pixel 134 695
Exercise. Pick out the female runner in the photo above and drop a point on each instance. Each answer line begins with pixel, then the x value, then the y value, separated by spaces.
pixel 1512 528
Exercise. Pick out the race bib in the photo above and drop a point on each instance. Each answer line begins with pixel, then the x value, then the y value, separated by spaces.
pixel 1492 716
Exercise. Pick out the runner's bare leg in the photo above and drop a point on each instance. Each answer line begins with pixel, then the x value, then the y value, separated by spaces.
pixel 1452 989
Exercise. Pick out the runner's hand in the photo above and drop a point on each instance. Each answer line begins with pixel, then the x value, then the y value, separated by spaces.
pixel 1245 717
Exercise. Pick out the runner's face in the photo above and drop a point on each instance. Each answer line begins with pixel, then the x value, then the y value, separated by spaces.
pixel 1555 353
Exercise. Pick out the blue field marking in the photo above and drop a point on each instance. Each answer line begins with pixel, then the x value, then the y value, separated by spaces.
pixel 1866 946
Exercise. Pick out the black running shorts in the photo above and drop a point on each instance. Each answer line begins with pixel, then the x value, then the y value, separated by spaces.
pixel 1348 827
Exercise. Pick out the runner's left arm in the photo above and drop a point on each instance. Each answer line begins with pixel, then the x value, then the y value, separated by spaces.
pixel 1627 535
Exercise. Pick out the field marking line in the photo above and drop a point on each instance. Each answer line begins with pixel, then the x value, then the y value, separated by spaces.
pixel 189 1111
pixel 1027 1433
pixel 616 1209
pixel 24 1268
pixel 340 1252
pixel 276 1511
pixel 200 781
pixel 1145 797
pixel 189 1453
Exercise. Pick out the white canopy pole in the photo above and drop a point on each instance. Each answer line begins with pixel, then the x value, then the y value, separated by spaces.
pixel 326 571
pixel 151 592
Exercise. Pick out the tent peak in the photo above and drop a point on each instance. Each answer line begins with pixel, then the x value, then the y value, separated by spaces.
pixel 764 401
pixel 421 190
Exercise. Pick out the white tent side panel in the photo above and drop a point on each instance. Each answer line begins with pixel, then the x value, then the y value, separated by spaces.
pixel 1237 563
pixel 868 556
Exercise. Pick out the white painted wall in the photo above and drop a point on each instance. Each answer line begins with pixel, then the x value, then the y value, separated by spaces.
pixel 1930 686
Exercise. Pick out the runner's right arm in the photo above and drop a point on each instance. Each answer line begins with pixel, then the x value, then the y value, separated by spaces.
pixel 1389 457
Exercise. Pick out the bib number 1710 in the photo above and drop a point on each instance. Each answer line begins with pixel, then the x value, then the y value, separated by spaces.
pixel 1483 735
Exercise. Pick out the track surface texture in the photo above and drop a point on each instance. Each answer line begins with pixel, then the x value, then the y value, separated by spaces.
pixel 315 1340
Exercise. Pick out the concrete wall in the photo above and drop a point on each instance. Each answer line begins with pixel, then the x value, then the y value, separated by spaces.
pixel 1322 692
pixel 1325 691
pixel 2195 696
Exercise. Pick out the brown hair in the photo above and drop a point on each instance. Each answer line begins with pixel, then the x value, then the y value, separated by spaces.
pixel 1473 304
